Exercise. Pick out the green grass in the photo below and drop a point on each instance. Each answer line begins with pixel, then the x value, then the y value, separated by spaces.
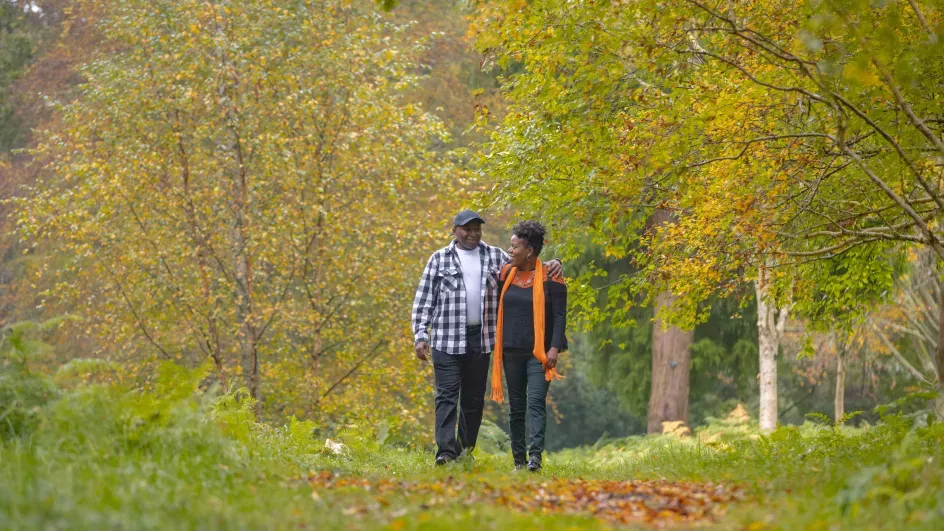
pixel 108 458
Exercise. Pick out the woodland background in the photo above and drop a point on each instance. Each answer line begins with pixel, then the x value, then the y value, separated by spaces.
pixel 240 196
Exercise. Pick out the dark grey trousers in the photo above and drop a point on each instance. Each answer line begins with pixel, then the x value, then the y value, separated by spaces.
pixel 460 392
pixel 527 392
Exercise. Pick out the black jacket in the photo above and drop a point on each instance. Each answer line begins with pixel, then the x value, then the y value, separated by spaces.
pixel 516 325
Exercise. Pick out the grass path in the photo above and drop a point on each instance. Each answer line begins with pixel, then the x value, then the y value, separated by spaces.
pixel 410 494
pixel 105 458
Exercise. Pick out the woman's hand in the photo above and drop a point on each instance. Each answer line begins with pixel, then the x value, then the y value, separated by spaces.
pixel 551 358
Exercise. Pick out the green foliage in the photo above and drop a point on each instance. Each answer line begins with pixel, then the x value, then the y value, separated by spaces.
pixel 116 457
pixel 18 35
pixel 834 294
pixel 802 476
pixel 617 351
pixel 231 184
pixel 493 440
pixel 771 133
pixel 582 412
pixel 22 391
pixel 22 395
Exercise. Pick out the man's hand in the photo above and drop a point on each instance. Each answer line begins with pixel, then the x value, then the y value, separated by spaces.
pixel 552 358
pixel 422 351
pixel 554 268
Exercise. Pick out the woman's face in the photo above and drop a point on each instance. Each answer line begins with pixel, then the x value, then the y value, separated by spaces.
pixel 518 251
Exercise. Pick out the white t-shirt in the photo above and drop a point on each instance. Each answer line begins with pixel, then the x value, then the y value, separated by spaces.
pixel 472 277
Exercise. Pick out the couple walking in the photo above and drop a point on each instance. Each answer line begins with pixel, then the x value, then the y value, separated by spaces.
pixel 474 299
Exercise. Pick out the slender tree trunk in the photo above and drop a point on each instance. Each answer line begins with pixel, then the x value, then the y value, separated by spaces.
pixel 671 360
pixel 244 312
pixel 769 333
pixel 939 402
pixel 840 401
pixel 671 357
pixel 247 340
pixel 940 339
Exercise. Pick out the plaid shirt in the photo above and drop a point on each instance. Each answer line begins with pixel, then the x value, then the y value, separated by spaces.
pixel 440 299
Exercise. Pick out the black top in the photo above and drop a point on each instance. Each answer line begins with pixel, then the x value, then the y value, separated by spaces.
pixel 518 323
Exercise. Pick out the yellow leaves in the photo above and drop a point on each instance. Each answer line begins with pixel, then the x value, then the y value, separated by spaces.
pixel 657 503
pixel 858 74
pixel 307 163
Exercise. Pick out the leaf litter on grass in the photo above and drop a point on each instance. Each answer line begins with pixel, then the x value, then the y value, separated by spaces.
pixel 656 503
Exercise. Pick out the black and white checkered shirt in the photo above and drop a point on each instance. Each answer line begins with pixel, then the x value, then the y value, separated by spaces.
pixel 439 305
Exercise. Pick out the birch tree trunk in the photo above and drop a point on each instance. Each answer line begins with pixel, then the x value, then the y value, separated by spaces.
pixel 840 400
pixel 940 339
pixel 770 325
pixel 939 402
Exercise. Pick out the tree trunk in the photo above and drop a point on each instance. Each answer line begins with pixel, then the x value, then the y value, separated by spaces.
pixel 247 339
pixel 940 339
pixel 671 356
pixel 248 347
pixel 769 333
pixel 939 402
pixel 840 401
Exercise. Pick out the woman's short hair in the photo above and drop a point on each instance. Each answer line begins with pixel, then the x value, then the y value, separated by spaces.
pixel 531 232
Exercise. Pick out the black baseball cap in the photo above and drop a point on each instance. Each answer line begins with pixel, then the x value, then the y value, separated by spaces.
pixel 466 216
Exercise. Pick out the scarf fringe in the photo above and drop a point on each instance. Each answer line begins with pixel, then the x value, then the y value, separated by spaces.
pixel 497 394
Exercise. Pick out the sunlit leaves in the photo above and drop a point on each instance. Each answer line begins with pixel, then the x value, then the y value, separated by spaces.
pixel 777 134
pixel 247 182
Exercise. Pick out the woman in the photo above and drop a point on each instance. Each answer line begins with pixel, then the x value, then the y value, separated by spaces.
pixel 532 315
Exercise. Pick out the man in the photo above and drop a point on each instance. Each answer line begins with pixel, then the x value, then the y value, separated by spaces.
pixel 457 300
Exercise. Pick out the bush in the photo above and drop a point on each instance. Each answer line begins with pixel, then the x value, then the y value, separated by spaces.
pixel 22 396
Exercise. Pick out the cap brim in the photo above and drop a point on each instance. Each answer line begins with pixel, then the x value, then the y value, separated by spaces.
pixel 466 222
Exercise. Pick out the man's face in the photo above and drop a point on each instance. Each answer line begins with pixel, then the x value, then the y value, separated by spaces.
pixel 469 235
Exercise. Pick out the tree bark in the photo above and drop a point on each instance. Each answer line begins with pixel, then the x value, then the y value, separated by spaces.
pixel 940 339
pixel 671 357
pixel 840 400
pixel 770 326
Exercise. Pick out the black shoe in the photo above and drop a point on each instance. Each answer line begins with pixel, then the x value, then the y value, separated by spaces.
pixel 519 465
pixel 444 459
pixel 534 464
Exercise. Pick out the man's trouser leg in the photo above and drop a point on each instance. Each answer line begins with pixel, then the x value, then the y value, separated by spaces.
pixel 448 371
pixel 474 377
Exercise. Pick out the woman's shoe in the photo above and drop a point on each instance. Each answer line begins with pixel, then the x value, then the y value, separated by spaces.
pixel 534 464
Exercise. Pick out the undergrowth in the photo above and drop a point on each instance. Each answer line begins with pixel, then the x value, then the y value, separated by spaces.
pixel 111 457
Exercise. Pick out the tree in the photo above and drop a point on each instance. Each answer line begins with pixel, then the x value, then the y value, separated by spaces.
pixel 619 358
pixel 245 182
pixel 771 322
pixel 909 326
pixel 671 358
pixel 790 132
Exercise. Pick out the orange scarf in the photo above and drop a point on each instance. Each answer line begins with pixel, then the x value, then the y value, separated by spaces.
pixel 537 289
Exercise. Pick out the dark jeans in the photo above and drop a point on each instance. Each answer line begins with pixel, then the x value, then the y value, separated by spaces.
pixel 527 390
pixel 460 387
